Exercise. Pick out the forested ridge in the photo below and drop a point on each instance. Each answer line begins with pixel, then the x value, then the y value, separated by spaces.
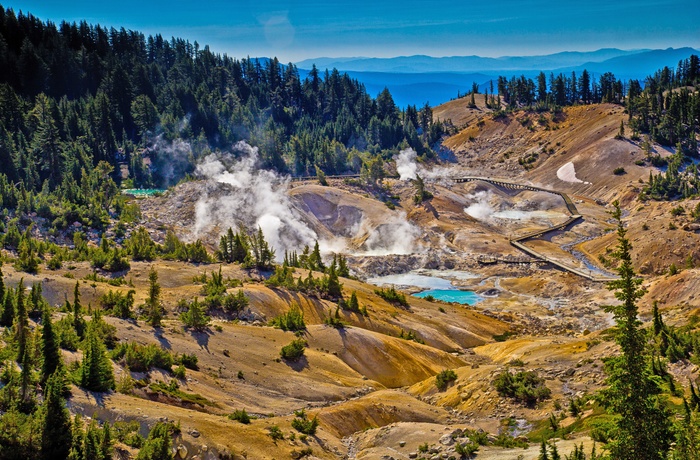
pixel 74 95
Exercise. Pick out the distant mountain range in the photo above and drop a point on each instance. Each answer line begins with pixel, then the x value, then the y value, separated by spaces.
pixel 419 79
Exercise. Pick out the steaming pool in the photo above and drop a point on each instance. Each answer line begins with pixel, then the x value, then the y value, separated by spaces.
pixel 435 283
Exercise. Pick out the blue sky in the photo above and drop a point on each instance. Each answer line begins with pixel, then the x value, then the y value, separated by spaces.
pixel 300 29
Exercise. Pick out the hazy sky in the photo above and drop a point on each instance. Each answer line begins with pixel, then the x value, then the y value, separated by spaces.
pixel 298 29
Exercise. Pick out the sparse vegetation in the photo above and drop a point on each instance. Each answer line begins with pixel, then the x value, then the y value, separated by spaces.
pixel 444 378
pixel 292 320
pixel 303 424
pixel 391 295
pixel 294 350
pixel 240 415
pixel 525 386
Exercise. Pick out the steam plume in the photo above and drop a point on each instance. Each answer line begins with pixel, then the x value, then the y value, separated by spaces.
pixel 257 198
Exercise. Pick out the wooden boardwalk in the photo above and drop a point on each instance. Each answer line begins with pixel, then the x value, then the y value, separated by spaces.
pixel 518 241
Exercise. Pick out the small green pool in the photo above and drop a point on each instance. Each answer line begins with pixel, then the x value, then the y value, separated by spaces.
pixel 451 295
pixel 140 192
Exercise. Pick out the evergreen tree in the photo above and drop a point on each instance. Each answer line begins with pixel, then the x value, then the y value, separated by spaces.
pixel 26 382
pixel 154 309
pixel 315 260
pixel 343 269
pixel 49 348
pixel 642 428
pixel 195 317
pixel 263 255
pixel 77 449
pixel 56 437
pixel 96 368
pixel 21 322
pixel 157 446
pixel 8 309
pixel 2 287
pixel 78 321
pixel 353 304
pixel 333 288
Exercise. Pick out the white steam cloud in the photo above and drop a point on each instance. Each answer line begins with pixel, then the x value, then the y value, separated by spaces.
pixel 480 208
pixel 409 169
pixel 406 164
pixel 254 197
pixel 257 199
pixel 395 236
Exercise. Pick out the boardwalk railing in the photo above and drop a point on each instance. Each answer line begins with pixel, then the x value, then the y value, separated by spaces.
pixel 517 242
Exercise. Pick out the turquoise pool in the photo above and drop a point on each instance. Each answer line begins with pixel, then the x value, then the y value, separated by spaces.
pixel 141 192
pixel 451 295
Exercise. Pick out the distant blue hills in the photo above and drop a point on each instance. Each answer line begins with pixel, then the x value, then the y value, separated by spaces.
pixel 419 79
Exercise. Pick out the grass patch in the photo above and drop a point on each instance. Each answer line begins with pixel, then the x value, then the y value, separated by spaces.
pixel 173 390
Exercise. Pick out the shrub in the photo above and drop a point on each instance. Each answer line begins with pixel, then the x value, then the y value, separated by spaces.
pixel 302 424
pixel 466 449
pixel 240 416
pixel 294 350
pixel 293 320
pixel 391 295
pixel 275 433
pixel 141 358
pixel 619 171
pixel 298 454
pixel 119 304
pixel 525 387
pixel 128 433
pixel 55 263
pixel 189 361
pixel 179 372
pixel 236 302
pixel 503 337
pixel 444 378
pixel 677 211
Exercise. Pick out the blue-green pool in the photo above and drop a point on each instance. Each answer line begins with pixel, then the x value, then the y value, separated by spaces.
pixel 141 192
pixel 451 295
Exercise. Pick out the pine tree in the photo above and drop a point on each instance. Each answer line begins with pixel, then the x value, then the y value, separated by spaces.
pixel 263 255
pixel 78 321
pixel 26 389
pixel 195 317
pixel 8 309
pixel 658 321
pixel 56 437
pixel 96 369
pixel 21 322
pixel 93 442
pixel 106 442
pixel 154 309
pixel 2 287
pixel 49 348
pixel 315 259
pixel 543 451
pixel 157 446
pixel 643 428
pixel 353 304
pixel 554 452
pixel 77 450
pixel 333 288
pixel 343 269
